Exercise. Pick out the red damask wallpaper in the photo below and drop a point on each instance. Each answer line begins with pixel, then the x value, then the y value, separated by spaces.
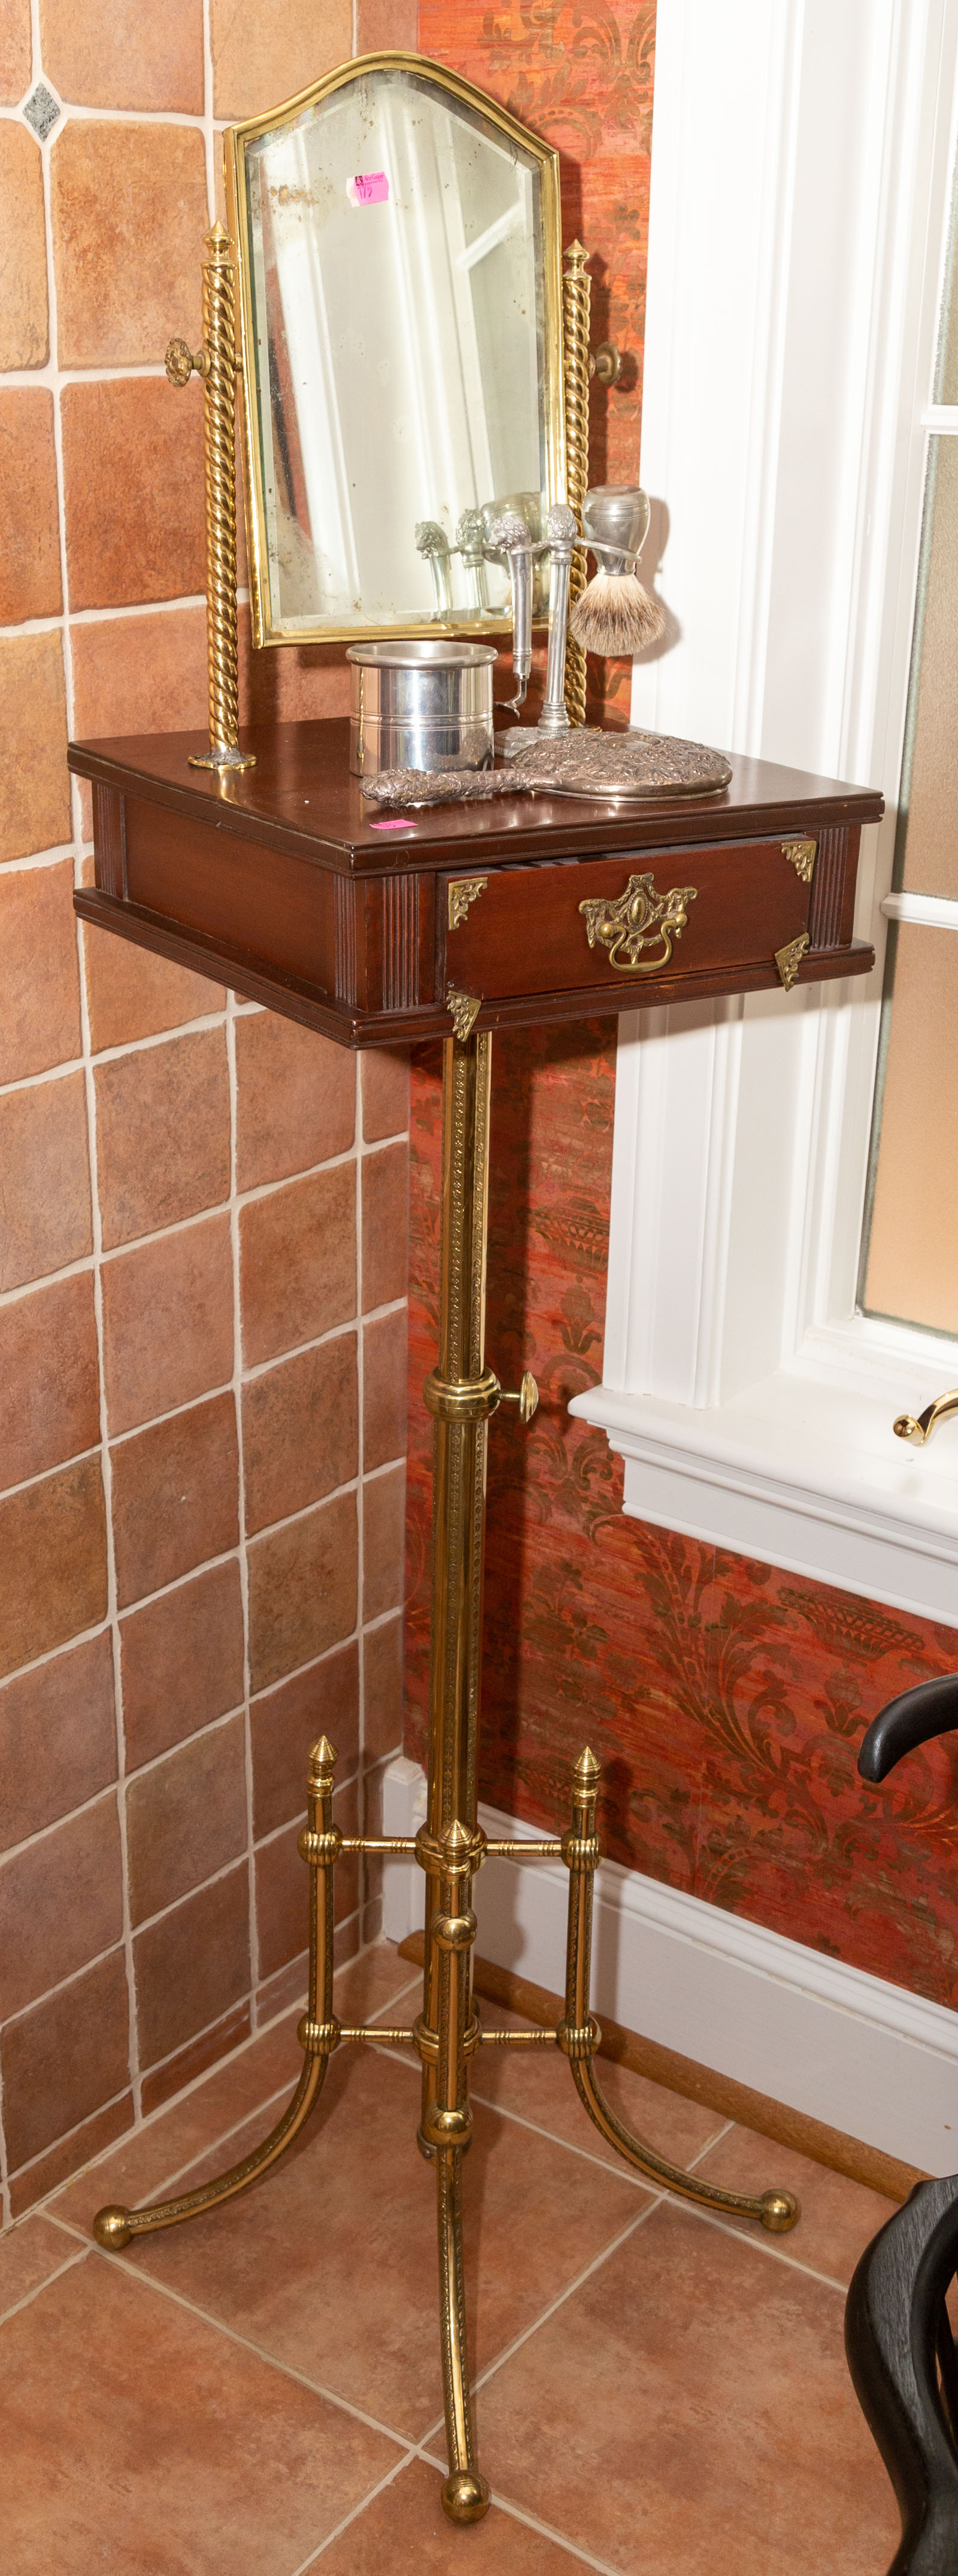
pixel 579 72
pixel 725 1701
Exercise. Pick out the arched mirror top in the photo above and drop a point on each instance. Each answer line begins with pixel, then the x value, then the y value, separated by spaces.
pixel 400 317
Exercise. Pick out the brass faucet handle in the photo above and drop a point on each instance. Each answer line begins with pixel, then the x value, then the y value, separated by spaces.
pixel 605 363
pixel 919 1431
pixel 527 1398
pixel 180 363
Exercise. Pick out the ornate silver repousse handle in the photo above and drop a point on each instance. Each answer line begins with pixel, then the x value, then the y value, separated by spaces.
pixel 637 920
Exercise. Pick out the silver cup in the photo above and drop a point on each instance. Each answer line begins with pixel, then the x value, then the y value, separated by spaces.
pixel 421 704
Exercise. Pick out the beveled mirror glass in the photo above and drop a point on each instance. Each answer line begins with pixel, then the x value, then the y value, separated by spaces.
pixel 400 284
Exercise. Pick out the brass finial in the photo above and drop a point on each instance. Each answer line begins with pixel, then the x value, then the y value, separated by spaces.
pixel 323 1756
pixel 586 1769
pixel 576 254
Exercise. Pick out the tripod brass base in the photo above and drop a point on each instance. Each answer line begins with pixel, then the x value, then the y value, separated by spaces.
pixel 451 1847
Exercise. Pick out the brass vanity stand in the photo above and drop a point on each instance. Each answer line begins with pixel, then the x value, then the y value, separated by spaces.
pixel 462 1394
pixel 290 898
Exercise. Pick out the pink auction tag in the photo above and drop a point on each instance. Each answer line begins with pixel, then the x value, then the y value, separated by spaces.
pixel 393 823
pixel 369 188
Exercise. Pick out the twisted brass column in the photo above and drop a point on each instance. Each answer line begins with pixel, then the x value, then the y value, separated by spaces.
pixel 216 363
pixel 576 301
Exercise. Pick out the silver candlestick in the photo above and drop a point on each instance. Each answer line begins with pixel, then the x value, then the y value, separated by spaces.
pixel 562 535
pixel 432 541
pixel 509 536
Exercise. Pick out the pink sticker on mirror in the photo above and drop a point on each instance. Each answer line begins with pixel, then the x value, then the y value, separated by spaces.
pixel 369 188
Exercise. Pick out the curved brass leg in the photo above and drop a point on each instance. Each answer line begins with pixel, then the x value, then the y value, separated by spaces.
pixel 318 2032
pixel 114 2227
pixel 579 2034
pixel 465 2495
pixel 777 2210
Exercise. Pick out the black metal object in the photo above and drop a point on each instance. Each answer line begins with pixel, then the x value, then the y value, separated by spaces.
pixel 930 1709
pixel 898 2338
pixel 896 2334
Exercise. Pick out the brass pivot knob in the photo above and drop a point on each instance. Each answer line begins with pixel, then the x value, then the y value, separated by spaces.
pixel 527 1398
pixel 605 363
pixel 180 363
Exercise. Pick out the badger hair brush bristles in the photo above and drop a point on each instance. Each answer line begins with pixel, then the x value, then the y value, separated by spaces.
pixel 615 616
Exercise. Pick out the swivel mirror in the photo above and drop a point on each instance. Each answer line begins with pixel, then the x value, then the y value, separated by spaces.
pixel 399 265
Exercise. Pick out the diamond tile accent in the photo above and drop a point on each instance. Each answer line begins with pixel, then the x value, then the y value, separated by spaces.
pixel 41 110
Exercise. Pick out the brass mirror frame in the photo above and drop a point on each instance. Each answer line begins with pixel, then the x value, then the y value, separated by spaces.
pixel 234 144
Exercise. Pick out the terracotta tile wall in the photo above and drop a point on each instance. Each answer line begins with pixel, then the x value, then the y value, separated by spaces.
pixel 202 1218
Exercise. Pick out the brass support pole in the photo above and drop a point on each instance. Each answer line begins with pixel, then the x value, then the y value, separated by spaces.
pixel 216 363
pixel 461 1394
pixel 579 2034
pixel 318 2034
pixel 576 301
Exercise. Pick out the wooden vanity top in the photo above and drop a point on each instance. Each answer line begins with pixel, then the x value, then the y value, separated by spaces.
pixel 284 882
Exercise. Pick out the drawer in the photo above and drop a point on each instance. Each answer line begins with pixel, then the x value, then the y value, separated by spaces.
pixel 617 922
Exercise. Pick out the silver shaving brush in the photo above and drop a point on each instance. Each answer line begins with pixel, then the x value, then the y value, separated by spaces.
pixel 509 536
pixel 561 533
pixel 432 541
pixel 615 615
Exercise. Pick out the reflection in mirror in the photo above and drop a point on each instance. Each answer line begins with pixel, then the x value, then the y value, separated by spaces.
pixel 400 273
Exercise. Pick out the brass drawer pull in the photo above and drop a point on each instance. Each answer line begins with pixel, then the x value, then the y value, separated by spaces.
pixel 638 919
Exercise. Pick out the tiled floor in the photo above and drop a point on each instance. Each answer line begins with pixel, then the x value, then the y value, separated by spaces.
pixel 258 2393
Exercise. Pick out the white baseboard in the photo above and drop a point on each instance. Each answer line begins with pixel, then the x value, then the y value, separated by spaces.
pixel 833 2042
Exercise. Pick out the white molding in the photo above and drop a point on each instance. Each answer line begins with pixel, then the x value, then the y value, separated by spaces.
pixel 802 287
pixel 842 2046
pixel 934 911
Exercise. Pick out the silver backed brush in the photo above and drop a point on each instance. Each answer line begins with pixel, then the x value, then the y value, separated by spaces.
pixel 509 536
pixel 615 615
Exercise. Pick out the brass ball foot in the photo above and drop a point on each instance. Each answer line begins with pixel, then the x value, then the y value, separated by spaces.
pixel 465 2496
pixel 111 2227
pixel 780 2211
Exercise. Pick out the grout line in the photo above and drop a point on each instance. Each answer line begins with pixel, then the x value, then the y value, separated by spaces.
pixel 208 131
pixel 57 854
pixel 30 2163
pixel 207 1020
pixel 52 380
pixel 106 1467
pixel 195 2085
pixel 531 2522
pixel 354 2516
pixel 760 2243
pixel 6 2213
pixel 27 2300
pixel 614 2247
pixel 272 2360
pixel 237 1384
